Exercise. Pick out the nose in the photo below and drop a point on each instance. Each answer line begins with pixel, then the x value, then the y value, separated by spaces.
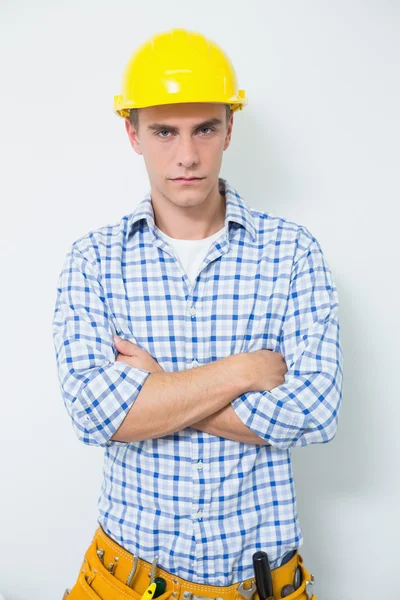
pixel 186 153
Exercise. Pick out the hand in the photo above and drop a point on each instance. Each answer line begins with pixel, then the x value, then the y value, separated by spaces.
pixel 132 355
pixel 265 369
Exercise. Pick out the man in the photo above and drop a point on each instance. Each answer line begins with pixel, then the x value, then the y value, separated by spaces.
pixel 227 354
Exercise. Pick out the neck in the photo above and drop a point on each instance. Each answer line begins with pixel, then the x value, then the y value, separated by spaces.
pixel 189 222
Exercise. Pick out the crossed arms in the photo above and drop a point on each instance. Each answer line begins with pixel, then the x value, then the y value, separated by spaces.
pixel 200 398
pixel 99 391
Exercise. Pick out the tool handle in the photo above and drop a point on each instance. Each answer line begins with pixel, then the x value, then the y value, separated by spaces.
pixel 161 586
pixel 263 575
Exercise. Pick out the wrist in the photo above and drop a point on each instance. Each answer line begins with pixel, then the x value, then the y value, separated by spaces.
pixel 239 372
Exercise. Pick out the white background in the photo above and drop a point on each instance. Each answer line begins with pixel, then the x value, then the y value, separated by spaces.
pixel 318 144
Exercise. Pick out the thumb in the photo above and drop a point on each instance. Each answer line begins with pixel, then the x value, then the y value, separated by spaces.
pixel 124 346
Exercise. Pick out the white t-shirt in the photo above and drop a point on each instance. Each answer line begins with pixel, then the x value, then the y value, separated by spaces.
pixel 190 253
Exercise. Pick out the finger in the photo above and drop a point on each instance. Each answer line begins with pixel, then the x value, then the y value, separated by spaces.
pixel 124 346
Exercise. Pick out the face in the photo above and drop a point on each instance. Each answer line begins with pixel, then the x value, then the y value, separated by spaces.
pixel 183 140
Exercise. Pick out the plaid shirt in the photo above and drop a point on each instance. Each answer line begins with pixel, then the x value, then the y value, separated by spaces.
pixel 202 503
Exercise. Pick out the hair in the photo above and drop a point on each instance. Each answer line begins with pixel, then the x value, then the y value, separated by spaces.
pixel 134 116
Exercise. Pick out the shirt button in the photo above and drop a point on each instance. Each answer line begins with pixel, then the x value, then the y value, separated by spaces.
pixel 192 312
pixel 195 363
pixel 198 515
pixel 199 465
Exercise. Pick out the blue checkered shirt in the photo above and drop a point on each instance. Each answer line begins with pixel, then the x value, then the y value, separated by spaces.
pixel 202 503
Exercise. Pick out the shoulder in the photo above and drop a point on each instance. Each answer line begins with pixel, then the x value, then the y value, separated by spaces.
pixel 96 244
pixel 296 237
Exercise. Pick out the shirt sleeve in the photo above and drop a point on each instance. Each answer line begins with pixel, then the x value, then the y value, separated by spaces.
pixel 97 391
pixel 304 409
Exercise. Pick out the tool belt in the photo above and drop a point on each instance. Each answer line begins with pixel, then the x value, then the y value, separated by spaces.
pixel 109 572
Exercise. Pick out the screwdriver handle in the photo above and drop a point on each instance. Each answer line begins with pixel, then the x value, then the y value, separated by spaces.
pixel 161 585
pixel 263 575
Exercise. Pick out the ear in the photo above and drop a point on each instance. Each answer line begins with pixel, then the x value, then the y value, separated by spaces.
pixel 229 132
pixel 133 137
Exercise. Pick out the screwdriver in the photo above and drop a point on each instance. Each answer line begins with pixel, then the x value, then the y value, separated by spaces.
pixel 262 572
pixel 149 593
pixel 161 586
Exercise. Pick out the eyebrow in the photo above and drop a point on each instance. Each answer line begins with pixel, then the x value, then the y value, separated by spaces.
pixel 207 123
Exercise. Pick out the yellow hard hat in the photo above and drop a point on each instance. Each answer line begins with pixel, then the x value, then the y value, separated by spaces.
pixel 178 66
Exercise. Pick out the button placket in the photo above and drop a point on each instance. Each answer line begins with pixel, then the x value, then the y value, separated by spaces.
pixel 197 493
pixel 192 313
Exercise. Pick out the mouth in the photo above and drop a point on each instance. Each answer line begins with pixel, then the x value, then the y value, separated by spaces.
pixel 187 179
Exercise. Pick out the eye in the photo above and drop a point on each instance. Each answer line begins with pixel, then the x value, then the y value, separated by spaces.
pixel 162 131
pixel 167 131
pixel 210 128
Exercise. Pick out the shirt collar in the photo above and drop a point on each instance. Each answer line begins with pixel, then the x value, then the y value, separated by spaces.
pixel 237 210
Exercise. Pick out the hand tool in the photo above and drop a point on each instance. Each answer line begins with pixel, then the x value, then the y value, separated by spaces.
pixel 287 590
pixel 100 554
pixel 247 593
pixel 112 567
pixel 310 586
pixel 262 572
pixel 133 571
pixel 149 593
pixel 152 573
pixel 161 586
pixel 297 578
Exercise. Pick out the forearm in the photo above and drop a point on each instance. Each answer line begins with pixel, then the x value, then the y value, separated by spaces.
pixel 171 401
pixel 226 424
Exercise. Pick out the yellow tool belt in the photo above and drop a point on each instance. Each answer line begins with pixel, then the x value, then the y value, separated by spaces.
pixel 107 567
